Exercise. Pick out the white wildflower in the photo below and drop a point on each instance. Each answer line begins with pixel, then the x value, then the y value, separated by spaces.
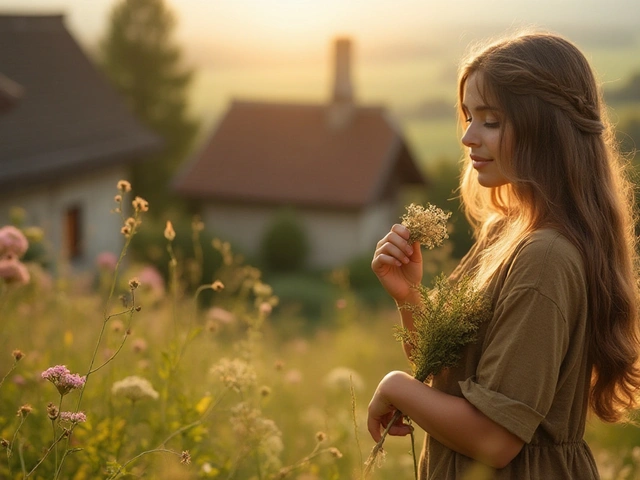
pixel 134 388
pixel 341 378
pixel 235 374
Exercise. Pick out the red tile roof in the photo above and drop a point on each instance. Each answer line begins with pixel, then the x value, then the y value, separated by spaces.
pixel 289 154
pixel 68 118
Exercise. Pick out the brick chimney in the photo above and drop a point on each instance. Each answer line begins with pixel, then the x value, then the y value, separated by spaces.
pixel 341 108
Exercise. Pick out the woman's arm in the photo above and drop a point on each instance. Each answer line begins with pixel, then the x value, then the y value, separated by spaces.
pixel 451 420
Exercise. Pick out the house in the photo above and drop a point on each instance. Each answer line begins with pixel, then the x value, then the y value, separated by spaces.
pixel 66 138
pixel 341 166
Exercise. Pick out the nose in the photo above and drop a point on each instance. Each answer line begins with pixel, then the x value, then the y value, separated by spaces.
pixel 470 137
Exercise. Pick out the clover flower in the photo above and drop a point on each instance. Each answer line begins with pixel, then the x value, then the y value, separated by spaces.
pixel 107 261
pixel 427 225
pixel 235 374
pixel 12 242
pixel 151 279
pixel 220 315
pixel 134 388
pixel 13 270
pixel 73 417
pixel 63 379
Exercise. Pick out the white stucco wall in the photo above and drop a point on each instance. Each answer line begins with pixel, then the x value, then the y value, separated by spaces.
pixel 335 236
pixel 93 193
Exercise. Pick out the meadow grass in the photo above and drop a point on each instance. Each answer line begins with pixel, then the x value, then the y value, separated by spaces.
pixel 230 391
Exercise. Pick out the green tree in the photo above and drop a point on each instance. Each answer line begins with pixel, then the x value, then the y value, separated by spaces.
pixel 141 60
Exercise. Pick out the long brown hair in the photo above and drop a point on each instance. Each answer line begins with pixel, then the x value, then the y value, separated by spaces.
pixel 565 172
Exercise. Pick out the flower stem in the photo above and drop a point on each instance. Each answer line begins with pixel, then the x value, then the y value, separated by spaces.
pixel 378 446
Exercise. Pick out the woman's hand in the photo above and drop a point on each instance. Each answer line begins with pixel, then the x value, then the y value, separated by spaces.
pixel 381 411
pixel 397 264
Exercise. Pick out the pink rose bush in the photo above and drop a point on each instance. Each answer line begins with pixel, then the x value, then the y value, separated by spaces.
pixel 13 245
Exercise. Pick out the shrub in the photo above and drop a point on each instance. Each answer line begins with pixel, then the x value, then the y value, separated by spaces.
pixel 285 246
pixel 304 295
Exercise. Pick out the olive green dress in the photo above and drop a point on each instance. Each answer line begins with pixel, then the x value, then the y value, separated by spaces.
pixel 529 370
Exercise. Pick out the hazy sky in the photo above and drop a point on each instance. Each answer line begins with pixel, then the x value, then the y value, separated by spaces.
pixel 296 28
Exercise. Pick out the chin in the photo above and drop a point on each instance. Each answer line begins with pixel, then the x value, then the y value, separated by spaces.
pixel 489 181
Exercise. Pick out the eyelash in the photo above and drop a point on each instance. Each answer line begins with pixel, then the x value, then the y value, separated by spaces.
pixel 486 124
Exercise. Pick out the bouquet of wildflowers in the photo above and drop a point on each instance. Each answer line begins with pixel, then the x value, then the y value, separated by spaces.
pixel 447 317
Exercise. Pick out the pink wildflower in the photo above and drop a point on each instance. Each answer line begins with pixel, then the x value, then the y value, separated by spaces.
pixel 220 315
pixel 13 270
pixel 12 241
pixel 63 379
pixel 73 417
pixel 152 280
pixel 107 261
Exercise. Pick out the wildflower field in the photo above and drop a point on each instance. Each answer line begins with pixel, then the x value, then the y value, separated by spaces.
pixel 137 375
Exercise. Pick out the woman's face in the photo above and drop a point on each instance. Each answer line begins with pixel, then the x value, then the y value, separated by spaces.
pixel 482 135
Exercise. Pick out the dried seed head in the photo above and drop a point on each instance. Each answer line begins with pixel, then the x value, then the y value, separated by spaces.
pixel 217 285
pixel 52 411
pixel 17 355
pixel 124 186
pixel 24 410
pixel 134 283
pixel 427 225
pixel 265 391
pixel 140 204
pixel 169 232
pixel 335 453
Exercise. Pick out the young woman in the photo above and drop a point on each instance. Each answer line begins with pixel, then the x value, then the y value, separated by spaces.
pixel 545 191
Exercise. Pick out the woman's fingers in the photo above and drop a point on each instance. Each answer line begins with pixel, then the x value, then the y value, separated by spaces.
pixel 399 234
pixel 377 425
pixel 394 245
pixel 393 252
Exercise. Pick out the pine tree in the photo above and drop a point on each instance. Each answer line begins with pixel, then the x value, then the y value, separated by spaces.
pixel 144 64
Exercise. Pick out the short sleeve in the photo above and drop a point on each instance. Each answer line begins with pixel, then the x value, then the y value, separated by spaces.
pixel 518 371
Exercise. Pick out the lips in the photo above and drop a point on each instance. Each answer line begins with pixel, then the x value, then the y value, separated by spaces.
pixel 479 162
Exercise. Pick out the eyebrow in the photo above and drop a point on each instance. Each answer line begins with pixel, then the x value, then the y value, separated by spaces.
pixel 481 108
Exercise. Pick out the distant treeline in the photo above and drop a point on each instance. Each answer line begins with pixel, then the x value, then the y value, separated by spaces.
pixel 627 93
pixel 438 109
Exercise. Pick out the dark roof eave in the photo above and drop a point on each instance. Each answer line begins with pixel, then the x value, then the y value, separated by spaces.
pixel 307 204
pixel 30 172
